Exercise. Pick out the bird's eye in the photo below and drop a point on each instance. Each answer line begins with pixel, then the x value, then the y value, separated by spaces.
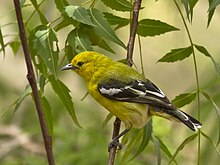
pixel 80 63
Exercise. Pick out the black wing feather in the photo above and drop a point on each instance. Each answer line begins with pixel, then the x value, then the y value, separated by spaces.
pixel 137 91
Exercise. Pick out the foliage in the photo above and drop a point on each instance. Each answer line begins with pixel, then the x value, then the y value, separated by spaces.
pixel 95 28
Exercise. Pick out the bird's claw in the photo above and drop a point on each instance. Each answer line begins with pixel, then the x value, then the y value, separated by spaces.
pixel 114 143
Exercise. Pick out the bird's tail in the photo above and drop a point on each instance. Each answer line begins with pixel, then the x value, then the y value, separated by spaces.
pixel 188 120
pixel 181 116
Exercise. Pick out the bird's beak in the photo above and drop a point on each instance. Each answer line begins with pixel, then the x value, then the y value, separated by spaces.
pixel 68 67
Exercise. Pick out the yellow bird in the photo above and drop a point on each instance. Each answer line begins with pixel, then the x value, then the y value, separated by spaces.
pixel 125 93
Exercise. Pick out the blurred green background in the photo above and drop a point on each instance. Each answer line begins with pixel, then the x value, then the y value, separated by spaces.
pixel 20 136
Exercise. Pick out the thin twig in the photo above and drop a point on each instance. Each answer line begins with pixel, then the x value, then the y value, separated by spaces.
pixel 197 80
pixel 130 48
pixel 116 130
pixel 32 81
pixel 134 23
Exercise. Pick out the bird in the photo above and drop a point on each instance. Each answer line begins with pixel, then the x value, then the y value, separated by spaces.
pixel 125 93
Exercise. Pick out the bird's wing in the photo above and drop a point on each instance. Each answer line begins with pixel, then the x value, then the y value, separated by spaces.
pixel 137 91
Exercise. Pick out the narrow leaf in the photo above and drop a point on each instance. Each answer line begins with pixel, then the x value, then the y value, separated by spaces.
pixel 157 148
pixel 69 52
pixel 2 42
pixel 165 149
pixel 184 99
pixel 182 145
pixel 204 51
pixel 213 4
pixel 48 115
pixel 177 55
pixel 43 41
pixel 42 83
pixel 96 39
pixel 147 131
pixel 107 119
pixel 63 93
pixel 119 5
pixel 61 4
pixel 189 5
pixel 150 27
pixel 25 93
pixel 217 109
pixel 103 44
pixel 15 45
pixel 79 14
pixel 116 20
pixel 103 28
pixel 41 15
pixel 64 23
pixel 131 139
pixel 79 41
pixel 210 140
pixel 210 13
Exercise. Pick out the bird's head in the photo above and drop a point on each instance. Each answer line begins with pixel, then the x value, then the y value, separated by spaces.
pixel 87 63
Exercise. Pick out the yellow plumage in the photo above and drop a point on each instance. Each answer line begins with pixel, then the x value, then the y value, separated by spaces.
pixel 97 68
pixel 124 92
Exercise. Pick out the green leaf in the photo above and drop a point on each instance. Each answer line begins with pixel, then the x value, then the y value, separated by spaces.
pixel 131 139
pixel 189 5
pixel 210 14
pixel 25 93
pixel 119 5
pixel 217 109
pixel 69 52
pixel 150 27
pixel 42 83
pixel 116 20
pixel 79 41
pixel 147 131
pixel 64 23
pixel 184 99
pixel 165 149
pixel 79 14
pixel 48 115
pixel 63 93
pixel 61 4
pixel 204 51
pixel 103 44
pixel 210 140
pixel 103 28
pixel 177 55
pixel 157 148
pixel 2 42
pixel 213 4
pixel 107 119
pixel 15 45
pixel 41 15
pixel 182 145
pixel 96 39
pixel 43 40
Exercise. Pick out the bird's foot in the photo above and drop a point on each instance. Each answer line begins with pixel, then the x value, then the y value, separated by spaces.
pixel 114 143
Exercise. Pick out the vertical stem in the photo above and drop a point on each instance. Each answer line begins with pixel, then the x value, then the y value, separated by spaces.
pixel 130 49
pixel 112 152
pixel 133 30
pixel 141 57
pixel 196 76
pixel 32 81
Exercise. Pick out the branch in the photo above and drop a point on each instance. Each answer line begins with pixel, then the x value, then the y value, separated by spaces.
pixel 116 130
pixel 32 81
pixel 130 49
pixel 134 23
